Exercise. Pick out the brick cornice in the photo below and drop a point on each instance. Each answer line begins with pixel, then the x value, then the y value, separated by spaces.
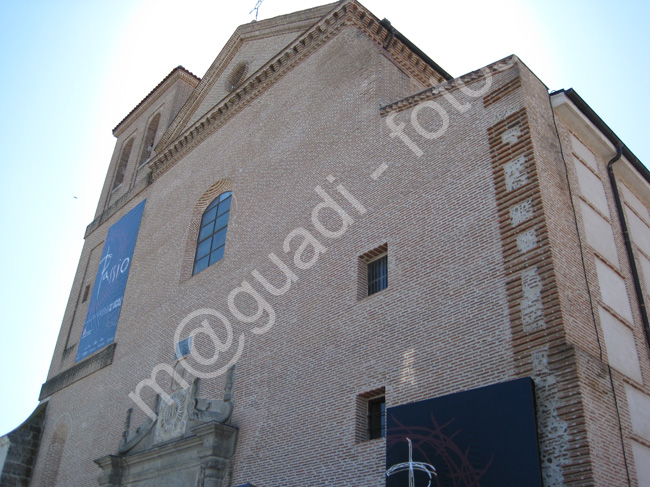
pixel 344 14
pixel 199 95
pixel 177 74
pixel 408 60
pixel 438 90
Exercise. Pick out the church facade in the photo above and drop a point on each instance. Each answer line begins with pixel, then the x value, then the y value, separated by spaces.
pixel 329 262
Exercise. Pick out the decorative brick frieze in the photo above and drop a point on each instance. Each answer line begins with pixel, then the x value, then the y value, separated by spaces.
pixel 385 37
pixel 502 91
pixel 539 342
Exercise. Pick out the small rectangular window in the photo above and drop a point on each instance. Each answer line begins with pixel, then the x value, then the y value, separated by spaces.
pixel 378 275
pixel 373 271
pixel 371 415
pixel 377 418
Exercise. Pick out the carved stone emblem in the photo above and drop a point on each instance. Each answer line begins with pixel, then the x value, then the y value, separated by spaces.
pixel 172 417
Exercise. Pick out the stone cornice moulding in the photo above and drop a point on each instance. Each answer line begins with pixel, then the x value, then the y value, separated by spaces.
pixel 78 371
pixel 176 75
pixel 448 86
pixel 348 12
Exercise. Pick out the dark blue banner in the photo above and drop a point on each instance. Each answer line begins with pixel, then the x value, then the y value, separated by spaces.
pixel 110 284
pixel 485 437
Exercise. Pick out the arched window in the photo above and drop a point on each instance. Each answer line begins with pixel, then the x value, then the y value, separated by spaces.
pixel 149 139
pixel 121 166
pixel 212 235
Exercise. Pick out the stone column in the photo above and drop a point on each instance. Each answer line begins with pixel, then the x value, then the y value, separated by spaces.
pixel 112 469
pixel 219 442
pixel 214 471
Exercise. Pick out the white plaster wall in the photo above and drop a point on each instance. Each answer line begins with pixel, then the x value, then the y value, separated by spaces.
pixel 621 347
pixel 591 187
pixel 599 234
pixel 583 153
pixel 635 203
pixel 641 462
pixel 639 405
pixel 613 291
pixel 639 230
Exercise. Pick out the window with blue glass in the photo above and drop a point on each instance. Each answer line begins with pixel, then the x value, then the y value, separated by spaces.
pixel 211 243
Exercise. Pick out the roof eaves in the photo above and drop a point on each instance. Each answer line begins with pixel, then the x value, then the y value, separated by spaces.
pixel 165 79
pixel 600 124
pixel 385 23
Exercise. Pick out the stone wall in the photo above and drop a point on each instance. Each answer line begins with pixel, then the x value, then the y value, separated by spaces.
pixel 20 447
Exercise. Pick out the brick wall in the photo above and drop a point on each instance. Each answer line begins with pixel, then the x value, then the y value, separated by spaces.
pixel 486 279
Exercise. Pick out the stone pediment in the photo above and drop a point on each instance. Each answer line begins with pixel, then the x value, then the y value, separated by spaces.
pixel 199 460
pixel 250 47
pixel 199 118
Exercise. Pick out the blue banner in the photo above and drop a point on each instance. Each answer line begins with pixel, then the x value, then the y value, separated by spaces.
pixel 485 436
pixel 110 284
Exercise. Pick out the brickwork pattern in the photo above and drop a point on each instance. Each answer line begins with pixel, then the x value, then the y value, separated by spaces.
pixel 484 281
pixel 495 95
pixel 327 346
pixel 166 100
pixel 538 335
pixel 346 14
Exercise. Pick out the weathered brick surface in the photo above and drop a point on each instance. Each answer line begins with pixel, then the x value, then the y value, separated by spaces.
pixel 485 256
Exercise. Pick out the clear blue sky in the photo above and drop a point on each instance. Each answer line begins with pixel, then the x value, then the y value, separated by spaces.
pixel 71 70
